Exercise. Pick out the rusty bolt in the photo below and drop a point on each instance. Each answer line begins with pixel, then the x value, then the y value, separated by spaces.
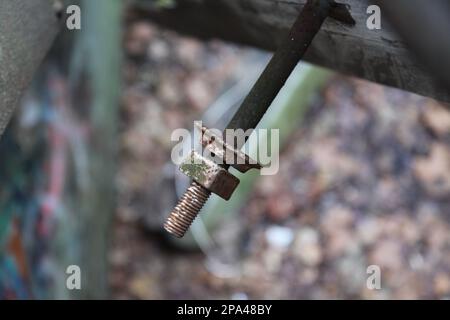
pixel 187 210
pixel 209 177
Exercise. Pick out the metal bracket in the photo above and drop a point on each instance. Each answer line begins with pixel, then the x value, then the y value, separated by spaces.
pixel 224 151
pixel 210 175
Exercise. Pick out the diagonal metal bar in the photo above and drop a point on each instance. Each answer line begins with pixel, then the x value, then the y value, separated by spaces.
pixel 261 96
pixel 289 53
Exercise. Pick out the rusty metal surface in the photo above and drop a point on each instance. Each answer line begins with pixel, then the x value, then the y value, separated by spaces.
pixel 186 210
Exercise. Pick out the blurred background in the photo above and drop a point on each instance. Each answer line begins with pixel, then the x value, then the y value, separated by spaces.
pixel 87 177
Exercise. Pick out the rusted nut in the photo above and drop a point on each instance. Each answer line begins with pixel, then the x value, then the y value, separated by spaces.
pixel 210 175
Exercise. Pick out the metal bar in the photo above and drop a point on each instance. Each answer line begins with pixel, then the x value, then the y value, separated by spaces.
pixel 288 55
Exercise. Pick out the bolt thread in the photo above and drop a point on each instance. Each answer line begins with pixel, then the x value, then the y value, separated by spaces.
pixel 187 210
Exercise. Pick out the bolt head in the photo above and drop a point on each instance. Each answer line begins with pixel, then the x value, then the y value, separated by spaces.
pixel 210 175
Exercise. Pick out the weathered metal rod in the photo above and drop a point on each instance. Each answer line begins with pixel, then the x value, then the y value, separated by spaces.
pixel 290 52
pixel 255 105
